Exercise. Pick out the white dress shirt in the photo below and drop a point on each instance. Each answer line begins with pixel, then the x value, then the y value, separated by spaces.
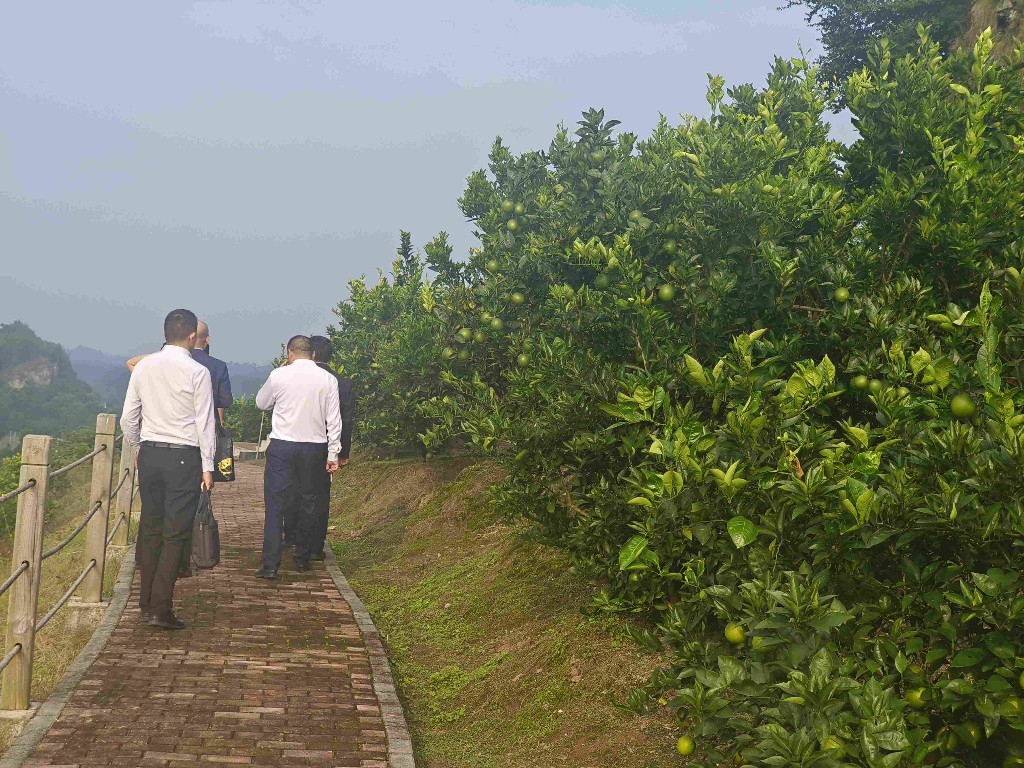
pixel 171 395
pixel 304 398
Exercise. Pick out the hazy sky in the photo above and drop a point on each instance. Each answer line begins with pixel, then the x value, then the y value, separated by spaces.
pixel 246 159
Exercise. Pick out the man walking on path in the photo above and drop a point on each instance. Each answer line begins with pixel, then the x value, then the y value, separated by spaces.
pixel 305 438
pixel 168 417
pixel 222 400
pixel 323 351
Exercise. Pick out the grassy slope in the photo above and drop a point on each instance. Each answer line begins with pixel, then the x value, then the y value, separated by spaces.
pixel 60 641
pixel 494 660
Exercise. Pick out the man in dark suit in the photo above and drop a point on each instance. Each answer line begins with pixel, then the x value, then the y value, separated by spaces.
pixel 323 351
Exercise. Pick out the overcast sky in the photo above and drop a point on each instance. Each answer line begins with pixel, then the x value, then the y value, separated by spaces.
pixel 246 159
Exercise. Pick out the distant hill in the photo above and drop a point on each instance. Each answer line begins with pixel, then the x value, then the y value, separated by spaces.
pixel 39 390
pixel 108 377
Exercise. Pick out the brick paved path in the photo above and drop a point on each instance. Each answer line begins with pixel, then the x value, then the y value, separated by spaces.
pixel 267 673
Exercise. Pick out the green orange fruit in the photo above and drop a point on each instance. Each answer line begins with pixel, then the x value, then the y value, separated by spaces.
pixel 962 406
pixel 520 209
pixel 497 324
pixel 666 292
pixel 479 337
pixel 507 206
pixel 915 698
pixel 518 298
pixel 735 633
pixel 841 295
pixel 512 225
pixel 635 215
pixel 859 382
pixel 492 266
pixel 685 746
pixel 523 360
pixel 875 386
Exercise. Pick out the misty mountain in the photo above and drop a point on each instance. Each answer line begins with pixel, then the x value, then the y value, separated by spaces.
pixel 108 377
pixel 39 389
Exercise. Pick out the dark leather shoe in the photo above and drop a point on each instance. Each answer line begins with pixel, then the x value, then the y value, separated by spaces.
pixel 170 621
pixel 266 573
pixel 185 574
pixel 318 556
pixel 302 565
pixel 146 614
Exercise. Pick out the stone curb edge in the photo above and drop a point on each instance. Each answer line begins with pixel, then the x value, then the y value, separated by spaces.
pixel 50 710
pixel 400 753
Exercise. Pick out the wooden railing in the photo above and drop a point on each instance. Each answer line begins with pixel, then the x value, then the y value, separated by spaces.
pixel 23 622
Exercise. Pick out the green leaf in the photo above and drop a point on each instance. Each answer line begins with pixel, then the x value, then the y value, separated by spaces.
pixel 968 657
pixel 696 370
pixel 673 482
pixel 741 531
pixel 640 501
pixel 631 551
pixel 921 359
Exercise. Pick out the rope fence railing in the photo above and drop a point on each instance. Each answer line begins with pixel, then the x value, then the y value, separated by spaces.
pixel 11 654
pixel 18 491
pixel 65 597
pixel 120 485
pixel 113 531
pixel 71 537
pixel 78 462
pixel 14 577
pixel 23 622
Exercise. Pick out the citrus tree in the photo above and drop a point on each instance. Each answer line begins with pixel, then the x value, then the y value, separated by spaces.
pixel 765 390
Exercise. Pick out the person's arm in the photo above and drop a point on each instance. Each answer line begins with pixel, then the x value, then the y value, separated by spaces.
pixel 206 427
pixel 333 427
pixel 131 415
pixel 267 396
pixel 348 414
pixel 135 361
pixel 224 397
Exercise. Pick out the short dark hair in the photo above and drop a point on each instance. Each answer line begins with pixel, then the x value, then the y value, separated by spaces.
pixel 300 345
pixel 179 325
pixel 323 350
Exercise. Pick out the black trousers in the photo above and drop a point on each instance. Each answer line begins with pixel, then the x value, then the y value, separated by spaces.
pixel 323 514
pixel 291 483
pixel 169 486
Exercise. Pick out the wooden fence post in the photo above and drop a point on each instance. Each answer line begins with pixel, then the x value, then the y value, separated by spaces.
pixel 124 496
pixel 23 597
pixel 96 531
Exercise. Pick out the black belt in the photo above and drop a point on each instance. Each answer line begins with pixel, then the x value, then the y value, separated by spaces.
pixel 155 444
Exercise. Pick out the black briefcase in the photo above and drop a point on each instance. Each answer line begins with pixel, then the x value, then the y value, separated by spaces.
pixel 224 458
pixel 205 535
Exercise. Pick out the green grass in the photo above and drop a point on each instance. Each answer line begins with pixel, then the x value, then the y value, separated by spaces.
pixel 62 639
pixel 495 662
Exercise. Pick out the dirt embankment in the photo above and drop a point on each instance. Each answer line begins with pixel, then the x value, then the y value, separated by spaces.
pixel 496 663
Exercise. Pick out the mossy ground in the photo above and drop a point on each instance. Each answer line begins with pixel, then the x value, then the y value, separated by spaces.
pixel 495 661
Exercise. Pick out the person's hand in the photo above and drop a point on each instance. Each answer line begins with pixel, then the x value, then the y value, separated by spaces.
pixel 342 462
pixel 207 484
pixel 332 467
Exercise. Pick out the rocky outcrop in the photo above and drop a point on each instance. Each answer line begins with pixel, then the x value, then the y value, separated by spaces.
pixel 39 371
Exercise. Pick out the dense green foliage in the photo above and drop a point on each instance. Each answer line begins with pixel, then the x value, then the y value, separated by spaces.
pixel 67 448
pixel 762 387
pixel 44 408
pixel 245 420
pixel 850 29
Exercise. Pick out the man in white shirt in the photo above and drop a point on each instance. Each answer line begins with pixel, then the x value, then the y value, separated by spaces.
pixel 168 419
pixel 305 437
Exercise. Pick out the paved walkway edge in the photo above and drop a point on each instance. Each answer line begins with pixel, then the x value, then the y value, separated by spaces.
pixel 48 712
pixel 399 740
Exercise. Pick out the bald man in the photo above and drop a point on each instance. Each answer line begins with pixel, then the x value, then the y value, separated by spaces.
pixel 218 369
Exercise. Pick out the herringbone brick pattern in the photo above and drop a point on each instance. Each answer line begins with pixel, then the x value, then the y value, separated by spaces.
pixel 266 674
